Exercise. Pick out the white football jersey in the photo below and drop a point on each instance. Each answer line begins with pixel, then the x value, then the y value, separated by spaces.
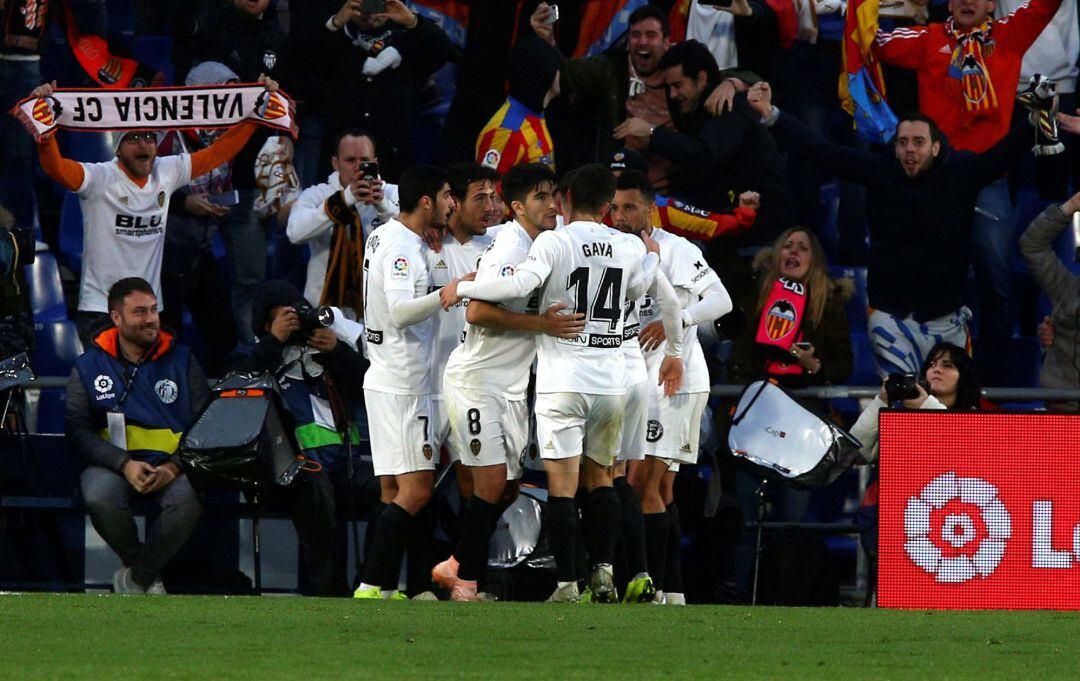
pixel 591 269
pixel 685 266
pixel 636 369
pixel 493 360
pixel 124 226
pixel 395 260
pixel 454 260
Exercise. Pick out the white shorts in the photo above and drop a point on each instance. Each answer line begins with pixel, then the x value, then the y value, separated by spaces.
pixel 675 426
pixel 635 421
pixel 401 429
pixel 572 424
pixel 486 429
pixel 440 426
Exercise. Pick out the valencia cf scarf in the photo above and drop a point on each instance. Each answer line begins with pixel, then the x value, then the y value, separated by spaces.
pixel 177 108
pixel 344 282
pixel 780 326
pixel 968 66
pixel 108 70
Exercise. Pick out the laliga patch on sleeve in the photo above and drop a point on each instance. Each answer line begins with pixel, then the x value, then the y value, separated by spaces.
pixel 506 271
pixel 400 269
pixel 492 158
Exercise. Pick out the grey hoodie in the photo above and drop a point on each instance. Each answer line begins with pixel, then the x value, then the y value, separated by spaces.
pixel 1062 366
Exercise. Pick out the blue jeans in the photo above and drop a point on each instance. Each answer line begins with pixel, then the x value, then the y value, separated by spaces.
pixel 245 245
pixel 993 247
pixel 17 79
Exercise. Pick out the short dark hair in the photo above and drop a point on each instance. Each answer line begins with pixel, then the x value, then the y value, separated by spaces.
pixel 464 174
pixel 694 58
pixel 592 187
pixel 633 179
pixel 349 132
pixel 650 12
pixel 564 182
pixel 968 390
pixel 920 117
pixel 125 287
pixel 525 178
pixel 417 182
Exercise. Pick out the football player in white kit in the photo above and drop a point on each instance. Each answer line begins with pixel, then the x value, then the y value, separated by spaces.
pixel 487 378
pixel 467 237
pixel 581 380
pixel 399 306
pixel 674 422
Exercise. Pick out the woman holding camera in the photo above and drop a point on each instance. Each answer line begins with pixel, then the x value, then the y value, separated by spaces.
pixel 948 381
pixel 798 332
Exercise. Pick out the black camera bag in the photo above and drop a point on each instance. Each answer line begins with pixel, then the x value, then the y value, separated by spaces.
pixel 239 440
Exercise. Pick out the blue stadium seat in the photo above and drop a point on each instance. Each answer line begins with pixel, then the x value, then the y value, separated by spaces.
pixel 860 302
pixel 50 416
pixel 156 51
pixel 46 291
pixel 829 211
pixel 86 147
pixel 56 346
pixel 71 233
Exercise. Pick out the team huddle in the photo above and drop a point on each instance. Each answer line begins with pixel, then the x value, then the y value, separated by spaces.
pixel 607 315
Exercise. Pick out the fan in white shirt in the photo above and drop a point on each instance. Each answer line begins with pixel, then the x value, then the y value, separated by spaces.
pixel 581 380
pixel 399 306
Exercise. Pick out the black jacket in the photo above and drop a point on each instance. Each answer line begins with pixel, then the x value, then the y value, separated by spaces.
pixel 920 229
pixel 382 104
pixel 722 156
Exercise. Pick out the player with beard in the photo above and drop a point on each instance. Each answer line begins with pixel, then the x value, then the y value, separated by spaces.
pixel 467 237
pixel 125 205
pixel 399 308
pixel 487 378
pixel 674 421
pixel 581 380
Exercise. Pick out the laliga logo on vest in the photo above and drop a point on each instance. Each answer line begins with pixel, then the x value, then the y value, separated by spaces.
pixel 957 528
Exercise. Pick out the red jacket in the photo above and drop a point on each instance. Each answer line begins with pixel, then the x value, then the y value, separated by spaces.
pixel 928 50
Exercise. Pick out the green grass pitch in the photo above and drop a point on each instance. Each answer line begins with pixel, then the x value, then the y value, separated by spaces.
pixel 212 638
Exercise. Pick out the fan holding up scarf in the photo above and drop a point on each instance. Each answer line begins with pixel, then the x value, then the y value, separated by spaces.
pixel 798 332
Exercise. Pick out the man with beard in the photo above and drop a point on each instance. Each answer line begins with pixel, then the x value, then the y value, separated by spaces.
pixel 624 82
pixel 920 203
pixel 125 205
pixel 131 396
pixel 399 306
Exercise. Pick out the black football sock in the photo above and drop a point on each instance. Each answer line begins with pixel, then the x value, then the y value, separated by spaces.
pixel 673 568
pixel 477 524
pixel 561 519
pixel 657 528
pixel 633 527
pixel 420 551
pixel 384 562
pixel 602 527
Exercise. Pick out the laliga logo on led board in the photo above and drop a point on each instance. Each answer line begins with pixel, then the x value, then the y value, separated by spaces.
pixel 957 528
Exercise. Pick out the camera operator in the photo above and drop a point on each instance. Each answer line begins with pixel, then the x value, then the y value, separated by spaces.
pixel 16 250
pixel 320 375
pixel 947 381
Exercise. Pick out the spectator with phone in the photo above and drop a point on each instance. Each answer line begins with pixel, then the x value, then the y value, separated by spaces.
pixel 375 56
pixel 334 219
pixel 190 276
pixel 1061 367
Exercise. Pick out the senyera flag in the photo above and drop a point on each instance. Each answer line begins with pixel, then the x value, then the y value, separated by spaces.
pixel 979 510
pixel 862 85
pixel 156 109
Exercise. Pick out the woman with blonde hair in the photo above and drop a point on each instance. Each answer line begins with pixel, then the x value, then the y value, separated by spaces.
pixel 797 329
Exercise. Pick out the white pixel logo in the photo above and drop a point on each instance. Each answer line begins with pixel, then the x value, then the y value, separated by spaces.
pixel 957 532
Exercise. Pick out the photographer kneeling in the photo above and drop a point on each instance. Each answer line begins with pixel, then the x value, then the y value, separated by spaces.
pixel 321 378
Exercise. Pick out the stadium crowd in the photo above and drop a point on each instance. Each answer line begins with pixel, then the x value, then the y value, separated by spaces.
pixel 454 159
